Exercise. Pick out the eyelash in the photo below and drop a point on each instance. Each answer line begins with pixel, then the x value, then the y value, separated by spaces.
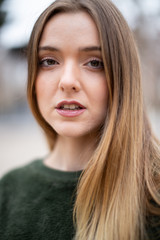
pixel 45 63
pixel 46 60
pixel 95 60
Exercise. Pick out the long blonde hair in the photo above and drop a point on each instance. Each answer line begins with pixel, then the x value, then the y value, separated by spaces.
pixel 116 190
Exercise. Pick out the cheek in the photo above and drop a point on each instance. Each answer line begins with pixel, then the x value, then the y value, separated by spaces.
pixel 102 94
pixel 101 99
pixel 42 94
pixel 45 88
pixel 99 93
pixel 39 88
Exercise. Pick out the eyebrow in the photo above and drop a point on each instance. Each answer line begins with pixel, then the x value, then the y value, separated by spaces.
pixel 48 48
pixel 91 48
pixel 85 49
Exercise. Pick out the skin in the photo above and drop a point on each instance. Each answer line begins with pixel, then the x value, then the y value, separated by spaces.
pixel 71 68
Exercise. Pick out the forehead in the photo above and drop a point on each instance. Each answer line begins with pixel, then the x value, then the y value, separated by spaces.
pixel 77 26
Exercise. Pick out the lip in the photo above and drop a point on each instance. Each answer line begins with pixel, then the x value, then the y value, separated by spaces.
pixel 69 103
pixel 70 113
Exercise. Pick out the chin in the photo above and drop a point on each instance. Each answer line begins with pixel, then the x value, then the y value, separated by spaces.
pixel 73 129
pixel 72 134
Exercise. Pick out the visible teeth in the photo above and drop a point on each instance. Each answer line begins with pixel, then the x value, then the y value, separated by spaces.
pixel 66 106
pixel 70 107
pixel 73 106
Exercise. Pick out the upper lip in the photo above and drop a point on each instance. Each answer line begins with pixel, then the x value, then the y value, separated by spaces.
pixel 66 102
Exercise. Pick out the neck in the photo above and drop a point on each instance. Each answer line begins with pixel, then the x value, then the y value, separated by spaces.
pixel 70 154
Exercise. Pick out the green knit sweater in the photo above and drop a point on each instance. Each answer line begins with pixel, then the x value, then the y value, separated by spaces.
pixel 36 203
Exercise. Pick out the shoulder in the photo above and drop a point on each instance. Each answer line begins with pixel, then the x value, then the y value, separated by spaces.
pixel 153 221
pixel 14 178
pixel 153 227
pixel 20 170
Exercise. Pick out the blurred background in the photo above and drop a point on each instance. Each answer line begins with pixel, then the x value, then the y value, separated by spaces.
pixel 21 139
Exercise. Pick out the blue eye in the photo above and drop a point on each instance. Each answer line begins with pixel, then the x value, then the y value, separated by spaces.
pixel 97 64
pixel 48 62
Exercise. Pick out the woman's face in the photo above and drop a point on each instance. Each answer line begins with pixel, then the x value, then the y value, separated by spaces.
pixel 71 86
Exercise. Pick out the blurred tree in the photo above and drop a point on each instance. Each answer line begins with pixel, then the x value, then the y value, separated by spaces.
pixel 147 34
pixel 2 14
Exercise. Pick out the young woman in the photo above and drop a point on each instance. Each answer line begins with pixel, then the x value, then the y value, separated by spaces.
pixel 101 180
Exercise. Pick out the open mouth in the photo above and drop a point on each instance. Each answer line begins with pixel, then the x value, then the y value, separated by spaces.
pixel 70 107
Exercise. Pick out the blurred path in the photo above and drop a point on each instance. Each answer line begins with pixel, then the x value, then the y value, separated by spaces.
pixel 21 141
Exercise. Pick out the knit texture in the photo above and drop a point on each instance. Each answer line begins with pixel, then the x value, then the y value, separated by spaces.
pixel 36 202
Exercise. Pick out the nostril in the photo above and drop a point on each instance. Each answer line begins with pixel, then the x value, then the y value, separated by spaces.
pixel 69 84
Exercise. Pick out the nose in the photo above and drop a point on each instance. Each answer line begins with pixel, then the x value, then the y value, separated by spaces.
pixel 69 79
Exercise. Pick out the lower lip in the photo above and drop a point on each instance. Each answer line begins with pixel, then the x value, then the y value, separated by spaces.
pixel 70 113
